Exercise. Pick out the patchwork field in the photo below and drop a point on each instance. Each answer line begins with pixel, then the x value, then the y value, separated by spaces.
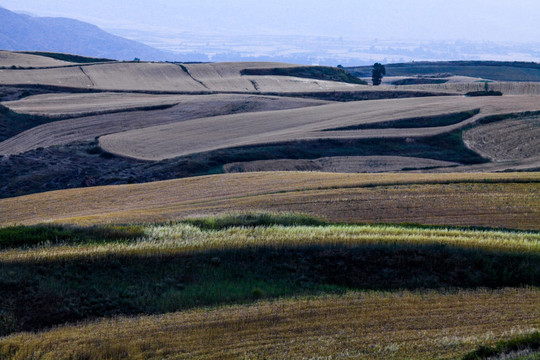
pixel 183 138
pixel 264 241
pixel 123 112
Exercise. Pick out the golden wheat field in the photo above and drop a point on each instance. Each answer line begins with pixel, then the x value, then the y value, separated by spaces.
pixel 495 200
pixel 357 325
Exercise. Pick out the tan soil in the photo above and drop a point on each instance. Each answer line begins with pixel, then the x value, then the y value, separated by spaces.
pixel 515 139
pixel 9 58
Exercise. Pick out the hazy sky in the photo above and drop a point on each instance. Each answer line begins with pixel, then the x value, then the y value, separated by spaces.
pixel 492 20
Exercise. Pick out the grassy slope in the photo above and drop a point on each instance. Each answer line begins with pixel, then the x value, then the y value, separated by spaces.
pixel 106 271
pixel 529 344
pixel 356 325
pixel 496 200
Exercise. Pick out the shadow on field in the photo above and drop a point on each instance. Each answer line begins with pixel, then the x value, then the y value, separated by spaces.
pixel 40 294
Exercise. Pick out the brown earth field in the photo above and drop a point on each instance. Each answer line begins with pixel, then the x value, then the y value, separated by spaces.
pixel 341 164
pixel 512 139
pixel 357 325
pixel 506 200
pixel 206 134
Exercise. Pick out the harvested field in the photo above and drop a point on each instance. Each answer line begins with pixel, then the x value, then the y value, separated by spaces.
pixel 340 164
pixel 360 325
pixel 71 77
pixel 507 88
pixel 75 105
pixel 166 77
pixel 513 139
pixel 9 59
pixel 87 128
pixel 189 137
pixel 507 200
pixel 528 164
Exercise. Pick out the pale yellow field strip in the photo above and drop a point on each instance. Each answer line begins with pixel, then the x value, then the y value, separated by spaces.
pixel 170 77
pixel 178 139
pixel 507 88
pixel 68 104
pixel 9 58
pixel 357 325
pixel 87 128
pixel 507 200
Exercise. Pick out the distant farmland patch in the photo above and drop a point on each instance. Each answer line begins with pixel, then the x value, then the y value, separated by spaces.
pixel 310 72
pixel 68 57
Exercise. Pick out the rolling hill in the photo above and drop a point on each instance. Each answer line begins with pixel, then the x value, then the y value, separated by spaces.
pixel 229 258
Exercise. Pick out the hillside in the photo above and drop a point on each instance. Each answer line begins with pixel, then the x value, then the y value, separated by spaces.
pixel 436 199
pixel 25 33
pixel 492 70
pixel 141 199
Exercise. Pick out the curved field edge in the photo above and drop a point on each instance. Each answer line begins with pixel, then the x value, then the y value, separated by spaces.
pixel 522 347
pixel 56 242
pixel 359 325
pixel 505 200
pixel 280 127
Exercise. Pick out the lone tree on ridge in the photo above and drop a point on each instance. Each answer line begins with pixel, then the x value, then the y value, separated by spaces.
pixel 377 73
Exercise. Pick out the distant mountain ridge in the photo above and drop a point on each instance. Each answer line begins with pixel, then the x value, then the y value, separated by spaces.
pixel 26 33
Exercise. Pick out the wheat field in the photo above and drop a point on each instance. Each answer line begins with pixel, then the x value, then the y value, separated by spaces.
pixel 357 325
